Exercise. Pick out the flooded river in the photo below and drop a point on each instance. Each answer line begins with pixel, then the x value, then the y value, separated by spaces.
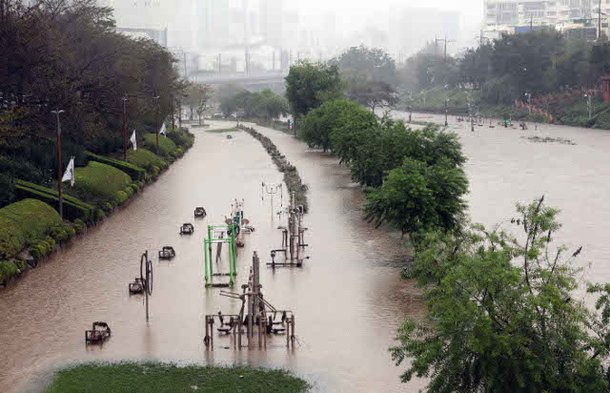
pixel 348 299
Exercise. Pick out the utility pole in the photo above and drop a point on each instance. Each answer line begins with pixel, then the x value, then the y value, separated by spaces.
pixel 124 99
pixel 158 105
pixel 589 98
pixel 445 41
pixel 599 21
pixel 446 112
pixel 220 63
pixel 57 112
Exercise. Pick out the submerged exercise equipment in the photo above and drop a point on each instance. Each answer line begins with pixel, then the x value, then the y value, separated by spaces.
pixel 167 253
pixel 100 332
pixel 293 239
pixel 216 236
pixel 144 283
pixel 257 318
pixel 200 212
pixel 187 229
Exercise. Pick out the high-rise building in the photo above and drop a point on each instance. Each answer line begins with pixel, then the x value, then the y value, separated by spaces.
pixel 149 18
pixel 508 16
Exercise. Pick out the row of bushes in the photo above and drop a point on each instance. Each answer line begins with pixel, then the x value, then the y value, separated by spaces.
pixel 73 207
pixel 31 228
pixel 291 175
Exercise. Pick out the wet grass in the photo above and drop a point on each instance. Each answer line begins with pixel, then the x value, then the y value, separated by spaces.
pixel 169 378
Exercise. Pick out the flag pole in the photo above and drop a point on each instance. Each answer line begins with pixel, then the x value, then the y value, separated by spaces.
pixel 157 98
pixel 124 99
pixel 59 165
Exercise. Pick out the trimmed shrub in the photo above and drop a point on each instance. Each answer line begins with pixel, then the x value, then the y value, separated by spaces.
pixel 181 138
pixel 146 159
pixel 99 183
pixel 73 208
pixel 8 270
pixel 167 147
pixel 134 171
pixel 79 226
pixel 23 222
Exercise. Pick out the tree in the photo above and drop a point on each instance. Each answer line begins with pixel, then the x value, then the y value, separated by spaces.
pixel 317 127
pixel 361 64
pixel 373 94
pixel 308 85
pixel 198 97
pixel 420 197
pixel 502 315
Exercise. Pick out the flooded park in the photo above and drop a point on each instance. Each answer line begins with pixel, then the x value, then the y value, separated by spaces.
pixel 348 297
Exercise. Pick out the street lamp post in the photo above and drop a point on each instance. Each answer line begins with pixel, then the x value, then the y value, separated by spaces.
pixel 124 99
pixel 589 98
pixel 57 112
pixel 446 112
pixel 157 103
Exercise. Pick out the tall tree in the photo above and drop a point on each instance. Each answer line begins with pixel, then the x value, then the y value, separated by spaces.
pixel 308 85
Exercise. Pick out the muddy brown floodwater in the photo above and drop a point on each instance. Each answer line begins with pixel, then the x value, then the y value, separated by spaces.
pixel 348 298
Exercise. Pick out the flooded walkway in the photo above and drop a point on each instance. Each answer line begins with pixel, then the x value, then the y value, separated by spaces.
pixel 348 298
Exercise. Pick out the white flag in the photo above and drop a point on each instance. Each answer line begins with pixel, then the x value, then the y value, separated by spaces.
pixel 133 140
pixel 69 173
pixel 163 130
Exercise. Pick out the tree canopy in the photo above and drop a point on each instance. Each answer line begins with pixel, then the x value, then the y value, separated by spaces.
pixel 502 315
pixel 308 85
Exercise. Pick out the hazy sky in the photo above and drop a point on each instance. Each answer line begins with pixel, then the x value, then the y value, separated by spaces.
pixel 468 6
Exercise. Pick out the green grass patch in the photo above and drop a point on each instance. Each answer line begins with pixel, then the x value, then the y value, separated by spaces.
pixel 167 147
pixel 24 223
pixel 100 184
pixel 166 378
pixel 134 171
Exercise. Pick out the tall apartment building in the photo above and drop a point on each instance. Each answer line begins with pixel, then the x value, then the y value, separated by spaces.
pixel 508 16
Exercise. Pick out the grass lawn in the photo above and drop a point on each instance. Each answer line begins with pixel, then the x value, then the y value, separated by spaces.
pixel 167 378
pixel 146 159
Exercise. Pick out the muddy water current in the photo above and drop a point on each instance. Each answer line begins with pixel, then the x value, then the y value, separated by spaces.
pixel 348 298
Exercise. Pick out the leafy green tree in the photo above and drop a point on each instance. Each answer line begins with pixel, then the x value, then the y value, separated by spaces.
pixel 362 64
pixel 308 85
pixel 198 97
pixel 373 94
pixel 502 315
pixel 316 128
pixel 419 197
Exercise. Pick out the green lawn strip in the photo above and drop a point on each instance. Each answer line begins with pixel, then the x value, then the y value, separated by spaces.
pixel 167 147
pixel 24 222
pixel 134 171
pixel 101 184
pixel 167 378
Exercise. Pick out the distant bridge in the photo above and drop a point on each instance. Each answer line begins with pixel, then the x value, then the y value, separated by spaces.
pixel 255 81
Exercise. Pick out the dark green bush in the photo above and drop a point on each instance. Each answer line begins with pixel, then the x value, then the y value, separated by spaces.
pixel 134 171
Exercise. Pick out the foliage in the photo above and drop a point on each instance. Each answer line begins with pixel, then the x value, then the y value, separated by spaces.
pixel 373 94
pixel 502 315
pixel 167 147
pixel 98 183
pixel 24 222
pixel 243 103
pixel 134 171
pixel 73 208
pixel 7 189
pixel 308 85
pixel 147 160
pixel 182 138
pixel 166 378
pixel 67 55
pixel 198 97
pixel 362 64
pixel 318 125
pixel 418 196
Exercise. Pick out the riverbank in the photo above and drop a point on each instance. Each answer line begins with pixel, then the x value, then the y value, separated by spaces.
pixel 169 378
pixel 31 228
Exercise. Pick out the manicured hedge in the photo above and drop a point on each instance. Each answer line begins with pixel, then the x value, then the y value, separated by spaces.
pixel 134 171
pixel 100 184
pixel 73 208
pixel 182 138
pixel 167 147
pixel 147 160
pixel 23 223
